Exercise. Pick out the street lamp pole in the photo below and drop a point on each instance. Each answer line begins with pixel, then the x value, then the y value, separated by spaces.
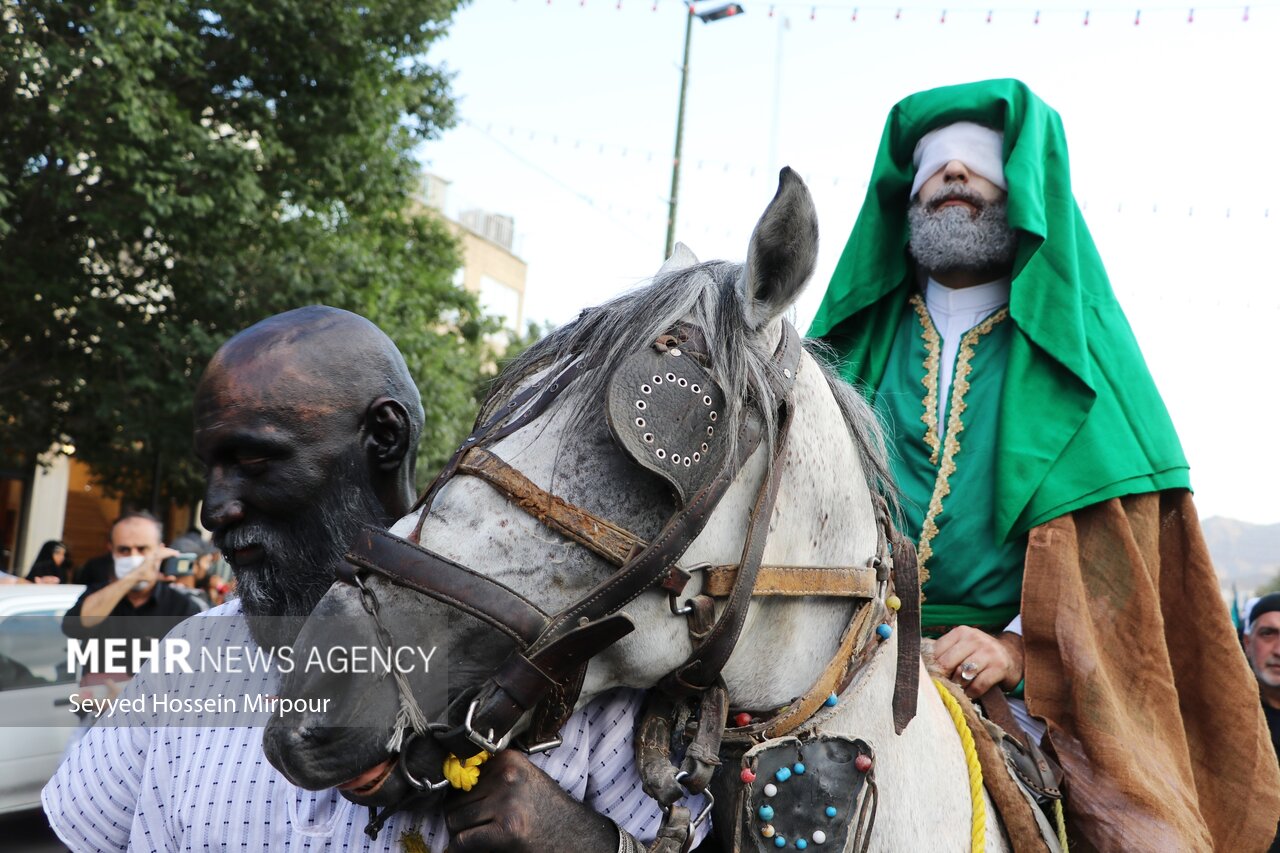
pixel 720 12
pixel 675 162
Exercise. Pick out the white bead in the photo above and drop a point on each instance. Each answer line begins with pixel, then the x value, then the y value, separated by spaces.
pixel 770 789
pixel 819 837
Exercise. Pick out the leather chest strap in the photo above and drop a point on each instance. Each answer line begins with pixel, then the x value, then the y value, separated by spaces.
pixel 906 585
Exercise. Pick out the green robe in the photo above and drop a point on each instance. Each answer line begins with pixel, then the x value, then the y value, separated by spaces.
pixel 946 485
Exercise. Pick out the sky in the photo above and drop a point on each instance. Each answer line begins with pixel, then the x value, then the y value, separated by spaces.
pixel 568 113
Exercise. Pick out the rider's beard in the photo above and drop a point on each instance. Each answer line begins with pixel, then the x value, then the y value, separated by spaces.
pixel 955 239
pixel 299 556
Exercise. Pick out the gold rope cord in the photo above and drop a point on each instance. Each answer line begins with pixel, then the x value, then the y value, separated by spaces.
pixel 955 422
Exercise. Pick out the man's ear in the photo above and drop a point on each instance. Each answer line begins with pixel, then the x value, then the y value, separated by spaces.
pixel 386 433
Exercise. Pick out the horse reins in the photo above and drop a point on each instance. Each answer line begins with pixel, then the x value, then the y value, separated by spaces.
pixel 544 673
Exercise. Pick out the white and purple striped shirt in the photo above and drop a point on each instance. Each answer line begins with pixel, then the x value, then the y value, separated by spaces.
pixel 155 788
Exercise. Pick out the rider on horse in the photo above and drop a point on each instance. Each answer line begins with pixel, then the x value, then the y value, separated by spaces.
pixel 1042 476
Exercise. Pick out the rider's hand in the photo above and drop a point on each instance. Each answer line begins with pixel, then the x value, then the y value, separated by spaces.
pixel 990 660
pixel 517 808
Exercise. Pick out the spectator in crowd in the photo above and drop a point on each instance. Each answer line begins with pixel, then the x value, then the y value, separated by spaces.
pixel 97 570
pixel 138 602
pixel 52 564
pixel 197 579
pixel 1262 645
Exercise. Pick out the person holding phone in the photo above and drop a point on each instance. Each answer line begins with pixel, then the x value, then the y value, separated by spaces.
pixel 138 602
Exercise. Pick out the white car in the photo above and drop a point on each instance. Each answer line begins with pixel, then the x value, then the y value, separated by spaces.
pixel 35 688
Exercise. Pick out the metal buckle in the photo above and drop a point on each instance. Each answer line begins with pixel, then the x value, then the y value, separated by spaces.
pixel 486 743
pixel 545 746
pixel 417 784
pixel 367 598
pixel 706 810
pixel 685 608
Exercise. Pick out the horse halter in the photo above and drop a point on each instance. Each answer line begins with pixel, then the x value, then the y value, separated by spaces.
pixel 664 409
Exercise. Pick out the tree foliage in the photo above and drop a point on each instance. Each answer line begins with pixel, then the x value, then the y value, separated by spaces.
pixel 173 171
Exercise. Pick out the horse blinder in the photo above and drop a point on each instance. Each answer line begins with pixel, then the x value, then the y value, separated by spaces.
pixel 666 411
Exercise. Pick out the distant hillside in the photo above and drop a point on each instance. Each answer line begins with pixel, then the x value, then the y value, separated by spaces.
pixel 1247 555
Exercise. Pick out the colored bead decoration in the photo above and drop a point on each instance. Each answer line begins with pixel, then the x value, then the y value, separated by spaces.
pixel 895 603
pixel 743 719
pixel 801 844
pixel 884 630
pixel 748 775
pixel 766 812
pixel 770 789
pixel 779 841
pixel 783 774
pixel 819 837
pixel 831 811
pixel 863 763
pixel 767 830
pixel 797 768
pixel 831 700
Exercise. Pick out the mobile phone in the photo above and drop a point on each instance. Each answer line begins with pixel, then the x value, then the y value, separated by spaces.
pixel 183 564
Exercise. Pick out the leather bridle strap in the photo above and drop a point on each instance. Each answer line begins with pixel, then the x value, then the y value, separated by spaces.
pixel 410 565
pixel 701 670
pixel 559 649
pixel 617 544
pixel 495 429
pixel 603 537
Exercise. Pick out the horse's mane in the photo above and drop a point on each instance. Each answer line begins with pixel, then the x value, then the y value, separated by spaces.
pixel 707 295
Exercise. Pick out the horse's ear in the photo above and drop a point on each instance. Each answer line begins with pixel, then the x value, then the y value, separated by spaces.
pixel 682 257
pixel 783 251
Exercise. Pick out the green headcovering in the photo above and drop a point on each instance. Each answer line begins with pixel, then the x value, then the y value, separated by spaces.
pixel 1080 420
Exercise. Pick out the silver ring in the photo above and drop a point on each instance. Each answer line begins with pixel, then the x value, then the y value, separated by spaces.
pixel 969 671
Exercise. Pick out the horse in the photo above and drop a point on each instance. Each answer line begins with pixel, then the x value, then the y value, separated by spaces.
pixel 579 445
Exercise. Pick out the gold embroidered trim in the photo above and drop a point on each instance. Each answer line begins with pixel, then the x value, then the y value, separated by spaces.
pixel 955 426
pixel 933 349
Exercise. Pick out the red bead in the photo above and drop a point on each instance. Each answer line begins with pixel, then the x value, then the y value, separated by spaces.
pixel 743 719
pixel 863 763
pixel 748 776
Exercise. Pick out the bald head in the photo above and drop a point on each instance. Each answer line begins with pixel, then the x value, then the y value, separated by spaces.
pixel 321 360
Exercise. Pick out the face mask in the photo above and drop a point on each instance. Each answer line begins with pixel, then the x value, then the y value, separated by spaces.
pixel 124 565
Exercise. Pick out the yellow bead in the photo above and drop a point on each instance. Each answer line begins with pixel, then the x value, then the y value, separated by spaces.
pixel 894 602
pixel 767 830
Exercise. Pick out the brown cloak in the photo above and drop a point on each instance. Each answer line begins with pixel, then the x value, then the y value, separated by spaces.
pixel 1152 707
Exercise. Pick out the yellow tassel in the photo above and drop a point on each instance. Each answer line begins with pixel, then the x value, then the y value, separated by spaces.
pixel 464 774
pixel 978 833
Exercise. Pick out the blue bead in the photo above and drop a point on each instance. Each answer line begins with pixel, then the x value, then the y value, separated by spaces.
pixel 801 844
pixel 831 700
pixel 779 841
pixel 783 774
pixel 831 811
pixel 884 631
pixel 766 812
pixel 798 768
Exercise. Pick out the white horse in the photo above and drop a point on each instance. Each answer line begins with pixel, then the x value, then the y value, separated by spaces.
pixel 824 516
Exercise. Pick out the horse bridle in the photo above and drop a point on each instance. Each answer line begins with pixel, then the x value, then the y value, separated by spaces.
pixel 544 673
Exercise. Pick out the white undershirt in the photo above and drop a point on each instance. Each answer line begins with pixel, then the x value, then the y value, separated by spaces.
pixel 954 311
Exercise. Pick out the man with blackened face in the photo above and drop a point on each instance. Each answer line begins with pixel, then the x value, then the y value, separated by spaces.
pixel 302 447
